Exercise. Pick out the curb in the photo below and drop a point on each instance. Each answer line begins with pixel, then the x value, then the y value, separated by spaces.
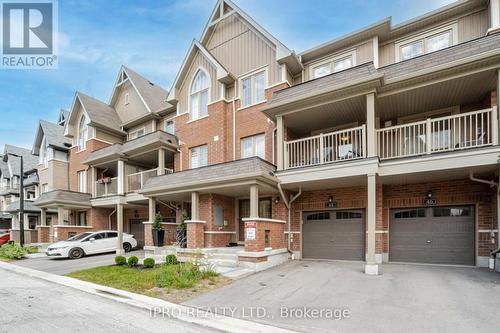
pixel 183 313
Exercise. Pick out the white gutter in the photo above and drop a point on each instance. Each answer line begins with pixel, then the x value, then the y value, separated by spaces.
pixel 489 182
pixel 288 205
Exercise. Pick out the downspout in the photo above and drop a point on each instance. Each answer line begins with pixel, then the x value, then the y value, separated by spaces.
pixel 492 184
pixel 109 218
pixel 288 204
pixel 234 121
pixel 180 155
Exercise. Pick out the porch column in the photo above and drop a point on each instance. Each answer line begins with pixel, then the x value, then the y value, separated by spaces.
pixel 371 138
pixel 371 267
pixel 43 217
pixel 15 222
pixel 60 215
pixel 195 206
pixel 121 177
pixel 119 226
pixel 494 15
pixel 280 138
pixel 161 162
pixel 494 115
pixel 152 209
pixel 94 179
pixel 254 201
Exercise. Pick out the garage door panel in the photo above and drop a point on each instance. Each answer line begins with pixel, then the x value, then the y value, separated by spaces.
pixel 332 238
pixel 436 236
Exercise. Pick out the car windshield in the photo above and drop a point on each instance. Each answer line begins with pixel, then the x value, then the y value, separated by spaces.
pixel 80 236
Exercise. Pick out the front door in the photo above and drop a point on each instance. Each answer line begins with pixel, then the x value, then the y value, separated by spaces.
pixel 137 229
pixel 244 211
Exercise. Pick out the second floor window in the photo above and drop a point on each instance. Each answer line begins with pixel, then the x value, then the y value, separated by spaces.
pixel 252 89
pixel 170 127
pixel 44 157
pixel 82 181
pixel 199 95
pixel 335 65
pixel 135 134
pixel 430 42
pixel 198 156
pixel 83 131
pixel 45 188
pixel 253 146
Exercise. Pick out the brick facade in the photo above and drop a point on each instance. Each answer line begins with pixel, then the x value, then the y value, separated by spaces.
pixel 275 231
pixel 76 159
pixel 43 234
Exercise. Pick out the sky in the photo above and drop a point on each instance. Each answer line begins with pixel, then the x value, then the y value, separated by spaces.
pixel 153 36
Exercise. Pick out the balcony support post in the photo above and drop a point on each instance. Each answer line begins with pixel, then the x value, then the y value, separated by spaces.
pixel 119 227
pixel 494 125
pixel 371 267
pixel 121 177
pixel 94 180
pixel 60 216
pixel 321 149
pixel 161 162
pixel 428 136
pixel 151 209
pixel 195 206
pixel 280 136
pixel 43 217
pixel 254 201
pixel 371 139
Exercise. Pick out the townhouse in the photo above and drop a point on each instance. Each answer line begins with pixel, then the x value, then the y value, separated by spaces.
pixel 380 145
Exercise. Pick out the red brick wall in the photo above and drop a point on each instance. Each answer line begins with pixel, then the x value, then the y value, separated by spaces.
pixel 276 236
pixel 64 232
pixel 195 235
pixel 43 234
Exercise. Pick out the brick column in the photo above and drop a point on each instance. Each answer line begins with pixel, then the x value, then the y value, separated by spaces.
pixel 195 234
pixel 274 229
pixel 43 234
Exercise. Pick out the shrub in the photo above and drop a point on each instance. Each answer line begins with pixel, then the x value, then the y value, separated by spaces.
pixel 183 275
pixel 171 259
pixel 157 222
pixel 149 263
pixel 12 251
pixel 31 249
pixel 132 261
pixel 120 260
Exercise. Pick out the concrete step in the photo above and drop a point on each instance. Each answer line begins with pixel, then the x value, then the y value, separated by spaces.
pixel 229 249
pixel 238 273
pixel 226 256
pixel 223 262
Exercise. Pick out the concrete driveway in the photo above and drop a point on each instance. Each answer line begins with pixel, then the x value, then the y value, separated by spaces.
pixel 63 266
pixel 409 298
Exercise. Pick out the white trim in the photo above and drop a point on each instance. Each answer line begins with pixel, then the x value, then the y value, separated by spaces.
pixel 488 230
pixel 73 226
pixel 220 232
pixel 208 88
pixel 249 106
pixel 292 232
pixel 163 223
pixel 259 254
pixel 251 75
pixel 261 219
pixel 193 120
pixel 453 26
pixel 194 221
pixel 143 129
pixel 331 60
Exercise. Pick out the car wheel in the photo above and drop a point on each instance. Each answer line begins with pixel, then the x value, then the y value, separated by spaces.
pixel 127 247
pixel 76 253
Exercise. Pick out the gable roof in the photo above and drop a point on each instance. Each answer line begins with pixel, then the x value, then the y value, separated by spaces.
pixel 30 161
pixel 223 74
pixel 63 117
pixel 99 114
pixel 152 95
pixel 54 136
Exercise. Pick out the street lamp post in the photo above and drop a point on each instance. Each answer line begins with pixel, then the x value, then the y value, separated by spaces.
pixel 21 201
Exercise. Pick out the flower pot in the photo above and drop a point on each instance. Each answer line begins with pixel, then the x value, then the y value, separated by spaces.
pixel 158 237
pixel 181 238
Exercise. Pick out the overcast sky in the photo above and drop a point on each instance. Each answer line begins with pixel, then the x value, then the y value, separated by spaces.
pixel 152 37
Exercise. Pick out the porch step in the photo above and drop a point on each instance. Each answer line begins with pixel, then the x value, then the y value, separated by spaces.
pixel 223 262
pixel 223 256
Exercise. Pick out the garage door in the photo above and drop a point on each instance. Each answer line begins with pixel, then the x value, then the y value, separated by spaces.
pixel 334 235
pixel 437 235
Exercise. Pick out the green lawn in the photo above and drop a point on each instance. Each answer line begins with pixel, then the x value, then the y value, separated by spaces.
pixel 182 280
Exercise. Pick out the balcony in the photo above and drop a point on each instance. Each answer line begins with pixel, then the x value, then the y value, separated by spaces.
pixel 106 187
pixel 452 133
pixel 326 148
pixel 136 181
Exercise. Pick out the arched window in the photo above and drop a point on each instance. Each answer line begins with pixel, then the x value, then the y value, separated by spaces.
pixel 83 131
pixel 199 95
pixel 44 157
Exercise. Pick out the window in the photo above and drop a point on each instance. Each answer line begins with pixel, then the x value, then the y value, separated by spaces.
pixel 451 211
pixel 252 89
pixel 45 188
pixel 333 65
pixel 318 216
pixel 199 95
pixel 348 215
pixel 199 156
pixel 83 133
pixel 265 208
pixel 430 42
pixel 44 158
pixel 82 181
pixel 170 126
pixel 410 213
pixel 82 219
pixel 127 98
pixel 136 133
pixel 253 146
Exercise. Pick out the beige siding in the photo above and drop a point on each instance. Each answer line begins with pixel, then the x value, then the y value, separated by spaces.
pixel 472 26
pixel 386 54
pixel 107 137
pixel 241 50
pixel 364 53
pixel 148 127
pixel 134 109
pixel 199 61
pixel 55 175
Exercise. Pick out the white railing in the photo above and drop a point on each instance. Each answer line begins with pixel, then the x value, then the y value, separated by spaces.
pixel 136 181
pixel 106 187
pixel 331 147
pixel 461 131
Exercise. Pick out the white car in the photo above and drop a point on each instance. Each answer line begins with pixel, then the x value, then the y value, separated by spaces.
pixel 90 243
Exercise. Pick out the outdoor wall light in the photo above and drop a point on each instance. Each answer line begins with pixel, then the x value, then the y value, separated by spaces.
pixel 429 194
pixel 330 199
pixel 277 200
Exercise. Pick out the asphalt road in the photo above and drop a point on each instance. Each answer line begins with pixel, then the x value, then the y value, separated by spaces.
pixel 61 266
pixel 33 305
